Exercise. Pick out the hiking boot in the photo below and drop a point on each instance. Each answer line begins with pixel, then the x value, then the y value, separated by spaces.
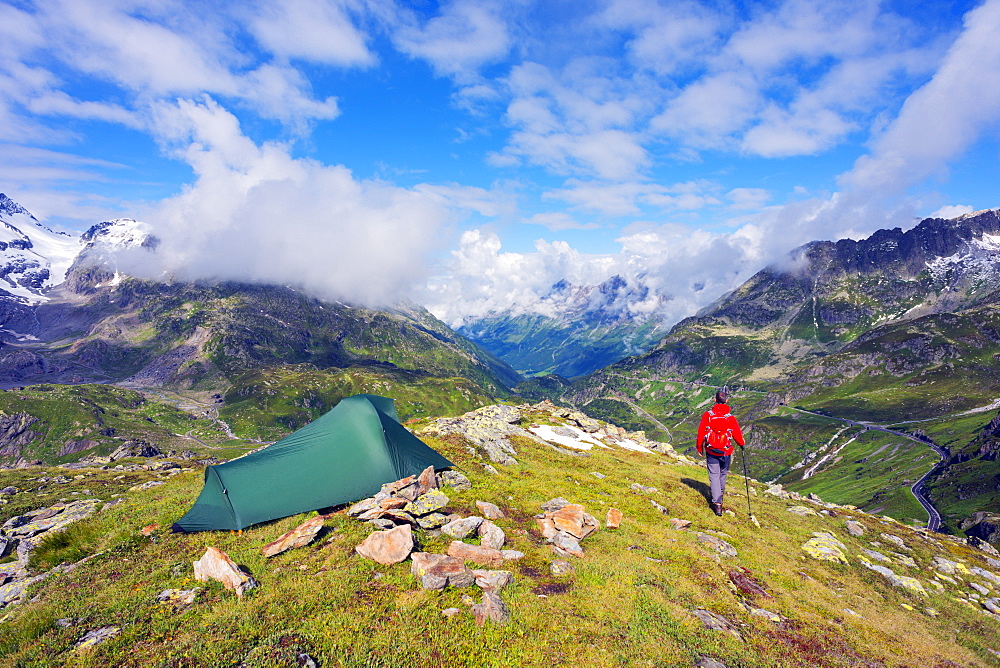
pixel 717 509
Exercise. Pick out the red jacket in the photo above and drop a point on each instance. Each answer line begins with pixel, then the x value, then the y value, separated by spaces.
pixel 730 425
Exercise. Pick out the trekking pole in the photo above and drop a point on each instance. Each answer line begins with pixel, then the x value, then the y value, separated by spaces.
pixel 746 479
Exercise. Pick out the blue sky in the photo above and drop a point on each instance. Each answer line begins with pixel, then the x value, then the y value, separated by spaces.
pixel 470 154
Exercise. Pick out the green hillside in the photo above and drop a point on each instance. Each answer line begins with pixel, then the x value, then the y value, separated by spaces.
pixel 638 597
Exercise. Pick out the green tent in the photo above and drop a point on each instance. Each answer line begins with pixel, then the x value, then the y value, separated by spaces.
pixel 345 455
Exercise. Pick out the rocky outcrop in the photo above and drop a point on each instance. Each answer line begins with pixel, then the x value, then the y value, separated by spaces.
pixel 216 565
pixel 16 433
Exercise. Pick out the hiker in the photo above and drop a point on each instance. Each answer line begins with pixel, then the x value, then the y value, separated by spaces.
pixel 716 433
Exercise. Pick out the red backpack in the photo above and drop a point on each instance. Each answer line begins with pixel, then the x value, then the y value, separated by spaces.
pixel 717 435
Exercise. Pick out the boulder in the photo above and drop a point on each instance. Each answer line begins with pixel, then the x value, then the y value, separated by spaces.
pixel 178 598
pixel 560 567
pixel 461 528
pixel 490 510
pixel 437 571
pixel 455 480
pixel 427 503
pixel 643 489
pixel 97 636
pixel 484 556
pixel 825 548
pixel 492 608
pixel 387 547
pixel 432 521
pixel 426 481
pixel 566 545
pixel 801 511
pixel 855 528
pixel 679 524
pixel 492 580
pixel 511 555
pixel 216 565
pixel 716 622
pixel 901 581
pixel 491 535
pixel 717 544
pixel 547 527
pixel 570 519
pixel 363 506
pixel 555 504
pixel 613 519
pixel 300 536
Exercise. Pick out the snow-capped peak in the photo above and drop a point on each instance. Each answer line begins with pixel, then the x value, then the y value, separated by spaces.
pixel 117 233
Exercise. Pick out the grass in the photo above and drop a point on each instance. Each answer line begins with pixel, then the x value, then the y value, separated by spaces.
pixel 628 603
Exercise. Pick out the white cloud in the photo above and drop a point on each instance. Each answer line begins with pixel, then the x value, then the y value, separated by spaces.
pixel 952 211
pixel 464 36
pixel 748 198
pixel 629 198
pixel 319 31
pixel 255 213
pixel 558 221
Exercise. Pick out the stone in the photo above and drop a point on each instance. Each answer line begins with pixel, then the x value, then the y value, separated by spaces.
pixel 300 536
pixel 766 614
pixel 511 555
pixel 663 509
pixel 10 490
pixel 97 636
pixel 878 556
pixel 387 547
pixel 895 540
pixel 980 588
pixel 555 504
pixel 491 535
pixel 490 510
pixel 855 528
pixel 398 485
pixel 717 544
pixel 432 521
pixel 993 605
pixel 149 529
pixel 983 573
pixel 716 622
pixel 901 581
pixel 801 511
pixel 427 503
pixel 380 523
pixel 566 545
pixel 709 662
pixel 599 476
pixel 461 528
pixel 362 506
pixel 492 608
pixel 216 565
pixel 949 567
pixel 426 481
pixel 569 518
pixel 492 580
pixel 679 524
pixel 392 503
pixel 642 489
pixel 547 527
pixel 614 518
pixel 399 517
pixel 590 524
pixel 746 584
pixel 437 571
pixel 178 598
pixel 455 480
pixel 451 612
pixel 560 567
pixel 484 556
pixel 825 548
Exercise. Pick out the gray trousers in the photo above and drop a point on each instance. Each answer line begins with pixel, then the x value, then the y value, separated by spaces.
pixel 718 469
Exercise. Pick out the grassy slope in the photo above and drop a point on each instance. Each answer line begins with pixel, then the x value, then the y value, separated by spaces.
pixel 628 603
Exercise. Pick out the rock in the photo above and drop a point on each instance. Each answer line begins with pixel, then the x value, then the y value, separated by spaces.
pixel 878 556
pixel 663 509
pixel 716 622
pixel 432 521
pixel 613 519
pixel 426 481
pixel 895 540
pixel 679 524
pixel 642 489
pixel 146 485
pixel 149 529
pixel 97 636
pixel 461 528
pixel 300 536
pixel 599 476
pixel 717 544
pixel 949 567
pixel 427 503
pixel 560 567
pixel 901 581
pixel 566 545
pixel 178 598
pixel 362 506
pixel 455 480
pixel 743 580
pixel 491 535
pixel 709 662
pixel 437 571
pixel 547 527
pixel 555 504
pixel 451 612
pixel 401 517
pixel 490 511
pixel 492 608
pixel 801 511
pixel 216 565
pixel 383 524
pixel 569 518
pixel 387 547
pixel 980 588
pixel 484 556
pixel 492 580
pixel 825 548
pixel 983 573
pixel 7 545
pixel 511 555
pixel 855 528
pixel 993 605
pixel 9 491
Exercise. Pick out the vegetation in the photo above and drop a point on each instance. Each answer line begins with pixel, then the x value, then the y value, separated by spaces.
pixel 629 601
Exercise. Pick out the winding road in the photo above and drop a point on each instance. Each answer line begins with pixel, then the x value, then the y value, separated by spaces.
pixel 917 489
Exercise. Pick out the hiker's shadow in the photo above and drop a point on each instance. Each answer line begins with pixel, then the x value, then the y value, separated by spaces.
pixel 699 487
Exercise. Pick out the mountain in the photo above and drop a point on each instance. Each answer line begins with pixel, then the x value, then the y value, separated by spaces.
pixel 802 582
pixel 33 258
pixel 574 330
pixel 277 357
pixel 900 331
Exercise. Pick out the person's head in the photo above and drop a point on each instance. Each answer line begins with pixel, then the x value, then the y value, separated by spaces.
pixel 721 397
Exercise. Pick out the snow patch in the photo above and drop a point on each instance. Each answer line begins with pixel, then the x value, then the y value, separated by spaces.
pixel 576 439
